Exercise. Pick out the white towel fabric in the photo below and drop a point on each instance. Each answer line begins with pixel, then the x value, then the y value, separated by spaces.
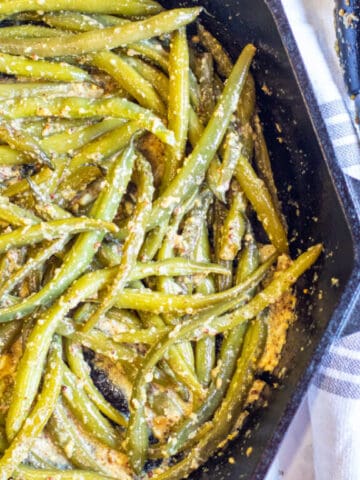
pixel 323 441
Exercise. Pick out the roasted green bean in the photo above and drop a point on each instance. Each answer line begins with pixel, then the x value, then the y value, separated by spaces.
pixel 127 7
pixel 26 31
pixel 222 59
pixel 130 80
pixel 30 473
pixel 205 350
pixel 12 90
pixel 206 83
pixel 263 164
pixel 107 38
pixel 51 230
pixel 76 138
pixel 259 197
pixel 22 441
pixel 233 229
pixel 178 103
pixel 60 72
pixel 219 174
pixel 75 107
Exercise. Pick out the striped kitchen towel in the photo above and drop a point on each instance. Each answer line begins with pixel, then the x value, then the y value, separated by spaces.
pixel 323 441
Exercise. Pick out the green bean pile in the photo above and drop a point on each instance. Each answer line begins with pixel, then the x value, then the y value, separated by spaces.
pixel 135 294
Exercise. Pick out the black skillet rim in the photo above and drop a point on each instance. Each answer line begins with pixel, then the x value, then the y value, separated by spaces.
pixel 351 294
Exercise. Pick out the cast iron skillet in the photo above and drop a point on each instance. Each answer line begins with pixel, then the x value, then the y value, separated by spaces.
pixel 317 207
